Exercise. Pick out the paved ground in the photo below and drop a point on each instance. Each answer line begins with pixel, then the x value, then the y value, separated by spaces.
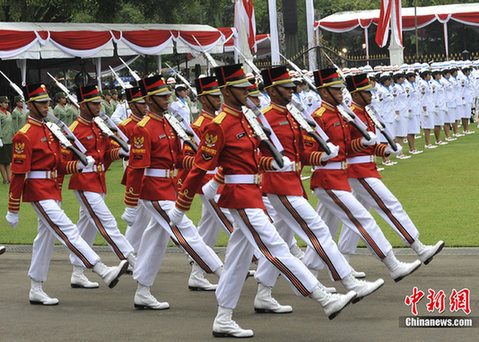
pixel 108 315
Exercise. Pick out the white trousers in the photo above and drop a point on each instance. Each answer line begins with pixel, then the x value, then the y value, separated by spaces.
pixel 372 193
pixel 296 215
pixel 95 217
pixel 213 219
pixel 53 224
pixel 339 205
pixel 134 232
pixel 155 241
pixel 253 231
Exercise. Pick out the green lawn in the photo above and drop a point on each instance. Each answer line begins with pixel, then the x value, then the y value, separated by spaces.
pixel 438 188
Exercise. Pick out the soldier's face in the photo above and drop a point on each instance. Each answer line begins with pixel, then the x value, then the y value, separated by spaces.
pixel 4 105
pixel 334 96
pixel 139 109
pixel 215 101
pixel 90 110
pixel 38 110
pixel 62 101
pixel 158 104
pixel 238 95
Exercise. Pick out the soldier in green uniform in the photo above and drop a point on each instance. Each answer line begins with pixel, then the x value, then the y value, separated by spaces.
pixel 60 109
pixel 19 116
pixel 114 100
pixel 106 106
pixel 72 112
pixel 6 135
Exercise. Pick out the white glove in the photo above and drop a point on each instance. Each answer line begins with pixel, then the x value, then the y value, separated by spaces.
pixel 371 142
pixel 176 216
pixel 123 153
pixel 12 219
pixel 1 143
pixel 286 165
pixel 334 152
pixel 90 162
pixel 389 150
pixel 129 215
pixel 210 189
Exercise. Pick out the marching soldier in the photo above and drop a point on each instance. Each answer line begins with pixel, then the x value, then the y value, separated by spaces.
pixel 155 154
pixel 136 100
pixel 292 212
pixel 89 186
pixel 366 183
pixel 330 182
pixel 229 141
pixel 6 134
pixel 37 163
pixel 19 116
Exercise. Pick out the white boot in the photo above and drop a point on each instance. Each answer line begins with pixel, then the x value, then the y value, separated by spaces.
pixel 111 274
pixel 265 303
pixel 399 269
pixel 38 297
pixel 145 300
pixel 131 263
pixel 224 326
pixel 332 304
pixel 296 251
pixel 2 249
pixel 79 279
pixel 197 280
pixel 426 253
pixel 355 273
pixel 361 287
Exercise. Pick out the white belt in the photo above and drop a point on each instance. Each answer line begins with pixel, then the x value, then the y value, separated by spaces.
pixel 162 173
pixel 243 179
pixel 342 165
pixel 212 172
pixel 293 168
pixel 94 168
pixel 362 159
pixel 42 174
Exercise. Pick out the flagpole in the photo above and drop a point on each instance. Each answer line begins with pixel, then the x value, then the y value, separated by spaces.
pixel 273 27
pixel 310 25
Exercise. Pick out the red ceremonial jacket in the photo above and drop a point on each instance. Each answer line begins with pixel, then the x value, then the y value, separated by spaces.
pixel 364 170
pixel 291 138
pixel 228 141
pixel 98 146
pixel 36 149
pixel 127 126
pixel 339 133
pixel 154 144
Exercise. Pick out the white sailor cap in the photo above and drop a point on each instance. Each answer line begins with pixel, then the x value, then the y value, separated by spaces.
pixel 404 66
pixel 416 65
pixel 367 68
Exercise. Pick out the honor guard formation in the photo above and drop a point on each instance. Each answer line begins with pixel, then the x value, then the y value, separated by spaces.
pixel 243 155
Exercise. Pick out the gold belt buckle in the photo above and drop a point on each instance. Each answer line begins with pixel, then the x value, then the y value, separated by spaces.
pixel 257 178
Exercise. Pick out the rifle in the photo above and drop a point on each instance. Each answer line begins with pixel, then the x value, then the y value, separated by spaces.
pixel 65 90
pixel 56 131
pixel 373 115
pixel 107 131
pixel 119 80
pixel 69 133
pixel 14 86
pixel 180 132
pixel 251 115
pixel 250 63
pixel 134 74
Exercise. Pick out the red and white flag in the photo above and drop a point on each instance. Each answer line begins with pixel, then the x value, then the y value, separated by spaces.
pixel 244 20
pixel 390 15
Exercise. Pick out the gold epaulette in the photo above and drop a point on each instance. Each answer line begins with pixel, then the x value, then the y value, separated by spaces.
pixel 144 121
pixel 25 128
pixel 73 125
pixel 265 109
pixel 125 122
pixel 318 113
pixel 219 118
pixel 198 121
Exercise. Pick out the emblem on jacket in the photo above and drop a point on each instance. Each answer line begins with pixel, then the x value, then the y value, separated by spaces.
pixel 19 148
pixel 138 142
pixel 210 139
